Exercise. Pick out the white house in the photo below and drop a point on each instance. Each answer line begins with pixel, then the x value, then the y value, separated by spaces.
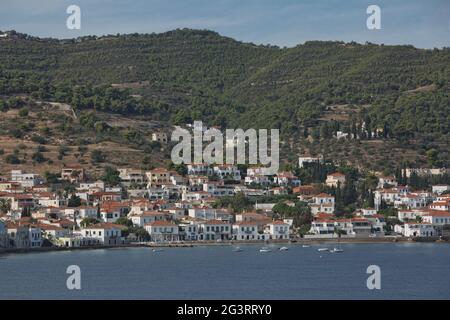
pixel 437 218
pixel 214 230
pixel 188 231
pixel 354 226
pixel 18 235
pixel 405 215
pixel 107 234
pixel 52 232
pixel 320 227
pixel 368 211
pixel 195 196
pixel 227 171
pixel 440 205
pixel 155 193
pixel 256 175
pixel 287 179
pixel 378 222
pixel 199 169
pixel 303 160
pixel 162 231
pixel 322 203
pixel 96 186
pixel 257 179
pixel 385 181
pixel 335 179
pixel 148 217
pixel 411 201
pixel 388 195
pixel 219 190
pixel 278 230
pixel 131 176
pixel 26 180
pixel 160 137
pixel 440 188
pixel 248 230
pixel 415 229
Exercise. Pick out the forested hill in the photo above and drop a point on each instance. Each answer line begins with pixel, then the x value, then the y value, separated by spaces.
pixel 314 89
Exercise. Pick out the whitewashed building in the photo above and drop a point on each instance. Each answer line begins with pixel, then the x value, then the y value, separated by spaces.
pixel 278 230
pixel 107 234
pixel 162 231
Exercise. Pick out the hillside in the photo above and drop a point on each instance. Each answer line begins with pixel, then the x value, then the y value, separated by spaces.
pixel 399 94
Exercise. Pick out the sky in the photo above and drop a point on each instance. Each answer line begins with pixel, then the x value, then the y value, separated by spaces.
pixel 422 23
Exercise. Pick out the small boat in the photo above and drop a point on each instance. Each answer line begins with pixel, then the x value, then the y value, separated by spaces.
pixel 264 249
pixel 284 249
pixel 238 249
pixel 323 249
pixel 338 249
pixel 305 246
pixel 158 250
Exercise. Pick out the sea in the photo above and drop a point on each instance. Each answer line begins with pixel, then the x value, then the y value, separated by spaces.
pixel 216 272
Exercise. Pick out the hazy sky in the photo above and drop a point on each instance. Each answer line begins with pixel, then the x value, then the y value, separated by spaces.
pixel 423 23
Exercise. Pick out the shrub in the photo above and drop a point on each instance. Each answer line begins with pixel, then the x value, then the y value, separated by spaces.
pixel 97 156
pixel 12 159
pixel 38 139
pixel 23 112
pixel 38 157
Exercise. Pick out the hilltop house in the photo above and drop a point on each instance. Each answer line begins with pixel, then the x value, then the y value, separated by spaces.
pixel 335 179
pixel 303 160
pixel 26 180
pixel 73 173
pixel 160 137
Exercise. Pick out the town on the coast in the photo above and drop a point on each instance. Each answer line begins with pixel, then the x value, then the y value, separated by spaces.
pixel 207 203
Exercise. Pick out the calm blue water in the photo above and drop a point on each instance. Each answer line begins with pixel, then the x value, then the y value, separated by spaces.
pixel 408 271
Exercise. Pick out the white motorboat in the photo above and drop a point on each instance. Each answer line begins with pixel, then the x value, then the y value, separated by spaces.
pixel 336 250
pixel 238 249
pixel 265 249
pixel 323 249
pixel 284 249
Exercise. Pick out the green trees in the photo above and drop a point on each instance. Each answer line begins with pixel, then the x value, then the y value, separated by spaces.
pixel 124 221
pixel 111 176
pixel 38 157
pixel 300 90
pixel 50 177
pixel 97 156
pixel 238 203
pixel 74 201
pixel 300 213
pixel 86 222
pixel 12 159
pixel 5 205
